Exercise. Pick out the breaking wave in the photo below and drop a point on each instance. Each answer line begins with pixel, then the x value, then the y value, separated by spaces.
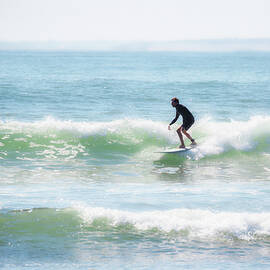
pixel 51 138
pixel 203 225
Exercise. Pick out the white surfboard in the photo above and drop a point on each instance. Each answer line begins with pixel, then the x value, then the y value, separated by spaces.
pixel 176 150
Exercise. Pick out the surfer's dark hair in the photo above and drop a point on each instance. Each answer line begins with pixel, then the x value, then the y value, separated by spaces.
pixel 175 100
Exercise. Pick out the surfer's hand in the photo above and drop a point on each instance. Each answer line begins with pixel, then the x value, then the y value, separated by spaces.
pixel 169 127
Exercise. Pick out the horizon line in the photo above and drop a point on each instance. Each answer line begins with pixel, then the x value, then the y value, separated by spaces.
pixel 138 41
pixel 204 45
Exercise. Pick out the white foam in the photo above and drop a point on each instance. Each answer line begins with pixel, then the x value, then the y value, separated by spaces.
pixel 219 137
pixel 86 128
pixel 198 223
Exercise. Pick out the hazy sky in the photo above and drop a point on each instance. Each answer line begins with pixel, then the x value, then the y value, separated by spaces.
pixel 138 20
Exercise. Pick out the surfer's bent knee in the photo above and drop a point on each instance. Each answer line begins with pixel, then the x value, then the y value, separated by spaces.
pixel 180 130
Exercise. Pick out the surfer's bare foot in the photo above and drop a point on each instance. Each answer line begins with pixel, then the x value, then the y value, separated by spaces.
pixel 182 146
pixel 193 143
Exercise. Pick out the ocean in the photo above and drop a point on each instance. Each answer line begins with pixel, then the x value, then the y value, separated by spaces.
pixel 83 187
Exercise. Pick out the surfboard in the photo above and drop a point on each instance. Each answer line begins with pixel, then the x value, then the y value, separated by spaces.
pixel 176 150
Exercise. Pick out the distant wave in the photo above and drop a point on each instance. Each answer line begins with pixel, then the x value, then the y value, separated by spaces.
pixel 51 138
pixel 203 225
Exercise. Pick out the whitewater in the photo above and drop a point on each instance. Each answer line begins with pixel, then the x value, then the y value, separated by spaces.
pixel 82 185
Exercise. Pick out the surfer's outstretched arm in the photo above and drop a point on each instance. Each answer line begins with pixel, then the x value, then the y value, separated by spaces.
pixel 174 120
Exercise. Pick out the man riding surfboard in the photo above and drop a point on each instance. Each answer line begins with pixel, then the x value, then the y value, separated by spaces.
pixel 188 121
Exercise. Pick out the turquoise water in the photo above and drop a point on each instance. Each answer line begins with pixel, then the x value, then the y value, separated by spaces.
pixel 81 184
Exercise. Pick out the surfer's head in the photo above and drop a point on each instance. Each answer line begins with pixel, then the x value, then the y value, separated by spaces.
pixel 175 101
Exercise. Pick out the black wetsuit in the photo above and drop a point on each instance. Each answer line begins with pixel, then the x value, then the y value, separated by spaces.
pixel 188 118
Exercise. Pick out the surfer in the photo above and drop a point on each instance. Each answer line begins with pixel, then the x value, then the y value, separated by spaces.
pixel 188 121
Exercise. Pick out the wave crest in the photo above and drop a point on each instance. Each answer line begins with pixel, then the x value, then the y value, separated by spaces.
pixel 204 225
pixel 193 223
pixel 55 138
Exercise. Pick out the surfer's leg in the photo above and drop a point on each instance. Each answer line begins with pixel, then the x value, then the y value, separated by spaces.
pixel 188 136
pixel 179 132
pixel 185 127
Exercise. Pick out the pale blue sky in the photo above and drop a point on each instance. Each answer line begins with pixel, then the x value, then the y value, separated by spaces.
pixel 136 20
